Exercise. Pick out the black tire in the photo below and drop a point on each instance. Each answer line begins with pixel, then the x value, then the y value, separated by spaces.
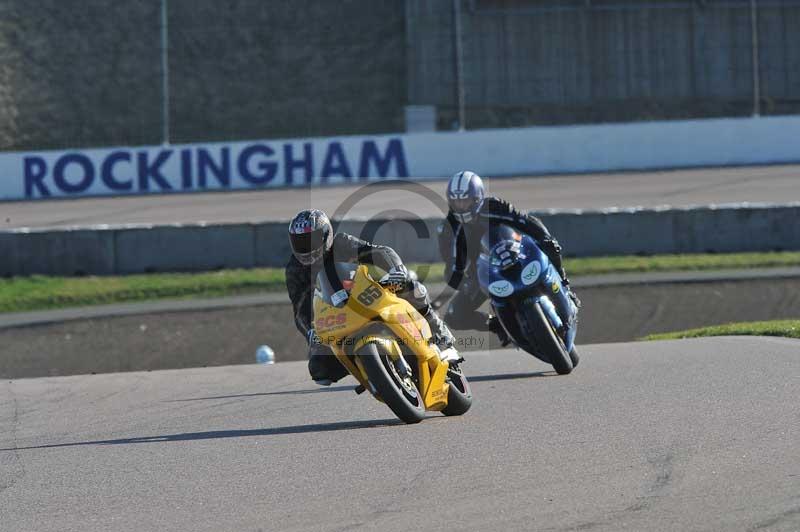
pixel 549 343
pixel 459 396
pixel 573 355
pixel 386 382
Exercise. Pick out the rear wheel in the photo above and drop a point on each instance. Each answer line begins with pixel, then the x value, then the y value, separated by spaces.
pixel 392 383
pixel 459 396
pixel 549 342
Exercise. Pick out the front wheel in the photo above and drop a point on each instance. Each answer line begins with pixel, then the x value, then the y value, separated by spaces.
pixel 573 355
pixel 398 390
pixel 459 395
pixel 549 343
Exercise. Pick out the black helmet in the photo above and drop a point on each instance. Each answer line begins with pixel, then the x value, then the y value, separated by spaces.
pixel 310 235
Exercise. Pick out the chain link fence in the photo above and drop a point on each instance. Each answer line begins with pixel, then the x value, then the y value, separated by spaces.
pixel 80 73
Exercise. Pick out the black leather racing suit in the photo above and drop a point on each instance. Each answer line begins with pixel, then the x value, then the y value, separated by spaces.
pixel 459 245
pixel 300 281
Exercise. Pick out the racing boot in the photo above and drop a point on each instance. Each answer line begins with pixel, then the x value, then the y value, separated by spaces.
pixel 324 367
pixel 574 297
pixel 442 336
pixel 443 339
pixel 494 325
pixel 565 281
pixel 570 292
pixel 417 295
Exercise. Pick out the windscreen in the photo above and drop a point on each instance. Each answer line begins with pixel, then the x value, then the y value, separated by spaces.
pixel 495 234
pixel 345 271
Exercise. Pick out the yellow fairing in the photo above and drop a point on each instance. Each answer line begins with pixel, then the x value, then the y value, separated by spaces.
pixel 370 303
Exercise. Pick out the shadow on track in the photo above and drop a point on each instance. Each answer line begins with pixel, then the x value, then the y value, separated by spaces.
pixel 261 394
pixel 478 378
pixel 224 434
pixel 510 376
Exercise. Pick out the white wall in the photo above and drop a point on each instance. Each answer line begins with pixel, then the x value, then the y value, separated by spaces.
pixel 318 162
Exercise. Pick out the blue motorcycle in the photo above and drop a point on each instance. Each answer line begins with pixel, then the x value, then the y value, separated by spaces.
pixel 527 296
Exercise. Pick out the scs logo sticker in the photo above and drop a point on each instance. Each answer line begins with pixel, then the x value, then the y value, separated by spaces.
pixel 330 322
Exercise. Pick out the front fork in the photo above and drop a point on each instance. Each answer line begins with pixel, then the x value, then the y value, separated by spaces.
pixel 559 307
pixel 432 370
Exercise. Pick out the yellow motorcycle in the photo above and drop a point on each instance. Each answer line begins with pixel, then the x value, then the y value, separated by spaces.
pixel 385 344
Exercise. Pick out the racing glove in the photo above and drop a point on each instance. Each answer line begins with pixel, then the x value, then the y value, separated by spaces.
pixel 397 280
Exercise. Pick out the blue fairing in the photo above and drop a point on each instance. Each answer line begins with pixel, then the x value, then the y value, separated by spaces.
pixel 532 278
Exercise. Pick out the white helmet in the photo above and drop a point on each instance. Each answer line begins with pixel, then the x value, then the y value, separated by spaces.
pixel 465 195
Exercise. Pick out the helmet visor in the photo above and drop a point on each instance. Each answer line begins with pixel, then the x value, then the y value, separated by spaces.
pixel 307 259
pixel 463 205
pixel 303 243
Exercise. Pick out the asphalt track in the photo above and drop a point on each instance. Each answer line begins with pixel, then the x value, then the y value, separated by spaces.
pixel 765 184
pixel 687 435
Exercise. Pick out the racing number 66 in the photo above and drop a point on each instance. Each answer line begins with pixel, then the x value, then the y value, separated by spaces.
pixel 368 296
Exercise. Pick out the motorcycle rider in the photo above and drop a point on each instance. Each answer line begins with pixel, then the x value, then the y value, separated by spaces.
pixel 470 215
pixel 315 247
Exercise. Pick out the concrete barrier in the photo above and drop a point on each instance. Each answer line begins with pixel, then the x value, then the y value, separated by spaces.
pixel 707 229
pixel 105 250
pixel 187 247
pixel 65 252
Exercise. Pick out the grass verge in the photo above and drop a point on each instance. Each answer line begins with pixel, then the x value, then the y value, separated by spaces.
pixel 36 292
pixel 694 262
pixel 39 292
pixel 784 328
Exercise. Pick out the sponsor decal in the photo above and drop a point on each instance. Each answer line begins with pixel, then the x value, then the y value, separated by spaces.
pixel 531 272
pixel 501 288
pixel 556 287
pixel 331 322
pixel 410 327
pixel 337 298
